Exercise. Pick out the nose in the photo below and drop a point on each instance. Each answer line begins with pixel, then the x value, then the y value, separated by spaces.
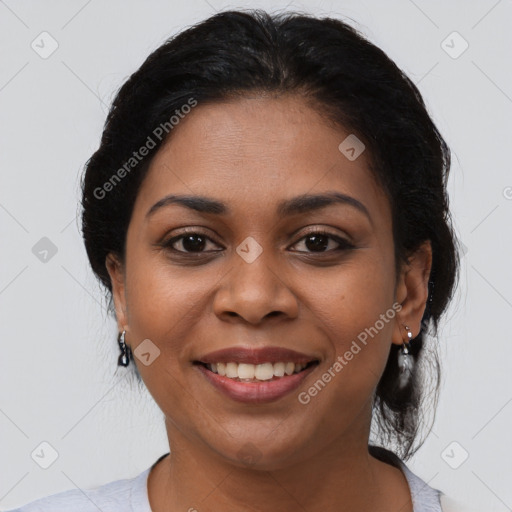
pixel 253 292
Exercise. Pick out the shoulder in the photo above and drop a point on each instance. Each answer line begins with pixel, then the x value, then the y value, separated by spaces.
pixel 424 497
pixel 117 496
pixel 450 505
pixel 427 498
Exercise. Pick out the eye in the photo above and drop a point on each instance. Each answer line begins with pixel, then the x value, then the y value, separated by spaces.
pixel 314 242
pixel 322 241
pixel 192 242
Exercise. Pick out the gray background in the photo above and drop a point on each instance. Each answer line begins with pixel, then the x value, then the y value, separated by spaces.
pixel 58 351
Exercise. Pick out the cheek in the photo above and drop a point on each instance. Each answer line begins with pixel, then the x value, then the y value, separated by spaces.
pixel 158 301
pixel 161 292
pixel 163 307
pixel 354 309
pixel 166 304
pixel 353 295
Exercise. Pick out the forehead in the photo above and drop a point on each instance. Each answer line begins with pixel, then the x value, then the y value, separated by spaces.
pixel 257 149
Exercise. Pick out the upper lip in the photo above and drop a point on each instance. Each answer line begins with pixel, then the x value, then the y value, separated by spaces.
pixel 256 356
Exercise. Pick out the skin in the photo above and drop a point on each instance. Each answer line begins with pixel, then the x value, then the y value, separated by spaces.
pixel 251 154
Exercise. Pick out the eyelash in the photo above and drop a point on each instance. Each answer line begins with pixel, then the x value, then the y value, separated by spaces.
pixel 343 244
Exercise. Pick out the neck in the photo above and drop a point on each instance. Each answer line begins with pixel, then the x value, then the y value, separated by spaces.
pixel 343 476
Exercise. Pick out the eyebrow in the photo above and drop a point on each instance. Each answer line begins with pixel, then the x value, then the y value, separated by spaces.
pixel 304 203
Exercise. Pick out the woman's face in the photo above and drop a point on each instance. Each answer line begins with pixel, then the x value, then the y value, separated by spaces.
pixel 248 272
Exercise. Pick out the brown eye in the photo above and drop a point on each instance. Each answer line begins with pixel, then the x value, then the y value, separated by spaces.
pixel 189 243
pixel 321 241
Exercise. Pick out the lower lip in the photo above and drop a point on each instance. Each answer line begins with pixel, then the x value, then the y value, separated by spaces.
pixel 256 392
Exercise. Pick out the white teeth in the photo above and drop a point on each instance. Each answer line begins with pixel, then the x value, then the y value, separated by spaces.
pixel 221 369
pixel 289 368
pixel 279 369
pixel 246 371
pixel 264 371
pixel 232 370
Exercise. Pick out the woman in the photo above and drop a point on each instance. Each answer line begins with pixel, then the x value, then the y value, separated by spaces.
pixel 268 213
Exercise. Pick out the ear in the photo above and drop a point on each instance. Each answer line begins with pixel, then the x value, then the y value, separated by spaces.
pixel 117 279
pixel 412 292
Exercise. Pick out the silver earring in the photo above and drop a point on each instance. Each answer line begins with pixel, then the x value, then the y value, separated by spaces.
pixel 124 359
pixel 405 361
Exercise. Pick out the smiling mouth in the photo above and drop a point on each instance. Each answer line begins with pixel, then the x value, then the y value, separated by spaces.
pixel 243 372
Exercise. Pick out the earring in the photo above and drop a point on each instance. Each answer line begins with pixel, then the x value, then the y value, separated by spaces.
pixel 405 361
pixel 123 359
